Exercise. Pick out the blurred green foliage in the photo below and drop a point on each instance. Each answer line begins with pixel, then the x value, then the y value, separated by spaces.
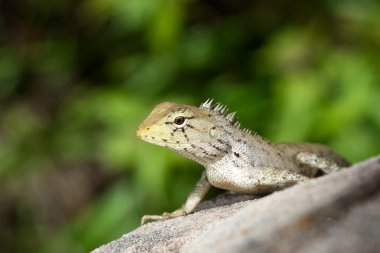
pixel 76 78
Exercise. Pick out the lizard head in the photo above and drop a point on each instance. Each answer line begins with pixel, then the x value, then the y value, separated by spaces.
pixel 197 133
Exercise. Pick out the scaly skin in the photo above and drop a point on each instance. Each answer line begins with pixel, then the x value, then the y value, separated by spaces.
pixel 234 158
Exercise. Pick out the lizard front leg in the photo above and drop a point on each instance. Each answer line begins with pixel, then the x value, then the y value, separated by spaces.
pixel 199 191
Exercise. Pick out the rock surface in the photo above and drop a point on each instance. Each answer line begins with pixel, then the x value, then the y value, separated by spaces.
pixel 339 212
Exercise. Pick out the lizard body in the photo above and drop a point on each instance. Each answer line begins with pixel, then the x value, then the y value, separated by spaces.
pixel 234 158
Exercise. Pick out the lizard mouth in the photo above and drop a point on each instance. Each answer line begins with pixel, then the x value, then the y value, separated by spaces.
pixel 159 140
pixel 143 134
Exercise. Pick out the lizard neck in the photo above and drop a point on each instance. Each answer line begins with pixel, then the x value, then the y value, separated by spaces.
pixel 250 147
pixel 223 141
pixel 205 151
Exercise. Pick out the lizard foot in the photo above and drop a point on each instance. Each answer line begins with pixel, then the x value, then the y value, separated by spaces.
pixel 164 216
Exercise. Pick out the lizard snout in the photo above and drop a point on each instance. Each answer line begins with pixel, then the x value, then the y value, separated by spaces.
pixel 138 132
pixel 142 130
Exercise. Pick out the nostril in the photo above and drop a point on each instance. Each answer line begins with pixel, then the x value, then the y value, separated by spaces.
pixel 148 128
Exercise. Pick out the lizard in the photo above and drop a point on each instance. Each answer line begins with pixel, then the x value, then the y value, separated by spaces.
pixel 234 158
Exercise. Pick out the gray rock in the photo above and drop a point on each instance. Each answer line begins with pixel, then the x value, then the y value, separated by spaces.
pixel 339 212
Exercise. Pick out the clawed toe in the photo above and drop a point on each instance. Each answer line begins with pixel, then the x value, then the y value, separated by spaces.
pixel 164 216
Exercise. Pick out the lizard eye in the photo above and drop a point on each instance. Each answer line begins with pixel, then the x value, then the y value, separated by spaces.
pixel 179 121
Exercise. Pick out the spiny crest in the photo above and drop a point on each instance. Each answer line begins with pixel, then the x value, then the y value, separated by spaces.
pixel 207 105
pixel 247 131
pixel 218 108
